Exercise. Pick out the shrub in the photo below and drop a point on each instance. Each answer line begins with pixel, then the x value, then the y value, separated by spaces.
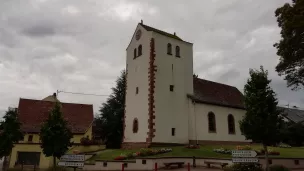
pixel 244 167
pixel 278 168
pixel 222 151
pixel 85 141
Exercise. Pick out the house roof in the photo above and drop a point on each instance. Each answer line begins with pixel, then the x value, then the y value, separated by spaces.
pixel 294 115
pixel 32 113
pixel 210 92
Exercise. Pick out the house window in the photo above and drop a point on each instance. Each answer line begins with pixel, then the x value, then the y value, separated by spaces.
pixel 211 122
pixel 139 50
pixel 173 131
pixel 134 54
pixel 137 90
pixel 30 138
pixel 135 125
pixel 177 51
pixel 169 49
pixel 231 125
pixel 171 87
pixel 296 162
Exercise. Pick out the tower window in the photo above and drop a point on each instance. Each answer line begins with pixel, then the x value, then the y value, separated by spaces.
pixel 30 138
pixel 139 50
pixel 137 90
pixel 135 53
pixel 171 87
pixel 173 131
pixel 177 51
pixel 169 49
pixel 135 125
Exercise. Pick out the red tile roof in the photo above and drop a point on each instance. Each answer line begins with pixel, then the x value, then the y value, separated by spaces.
pixel 32 113
pixel 217 94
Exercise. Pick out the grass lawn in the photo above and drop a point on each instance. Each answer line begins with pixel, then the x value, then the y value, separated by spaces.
pixel 87 149
pixel 204 151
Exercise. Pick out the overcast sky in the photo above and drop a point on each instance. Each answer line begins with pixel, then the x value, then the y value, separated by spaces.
pixel 79 45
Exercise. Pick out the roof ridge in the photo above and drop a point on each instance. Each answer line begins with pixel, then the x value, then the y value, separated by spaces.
pixel 216 82
pixel 54 102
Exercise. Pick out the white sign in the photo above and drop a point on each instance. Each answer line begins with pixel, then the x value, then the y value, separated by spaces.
pixel 245 160
pixel 71 164
pixel 243 153
pixel 73 157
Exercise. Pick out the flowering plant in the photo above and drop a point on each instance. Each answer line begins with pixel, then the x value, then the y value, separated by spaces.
pixel 142 153
pixel 190 146
pixel 246 147
pixel 282 145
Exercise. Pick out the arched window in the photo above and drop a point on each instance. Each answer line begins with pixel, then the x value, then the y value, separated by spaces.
pixel 135 125
pixel 134 53
pixel 231 125
pixel 139 50
pixel 169 49
pixel 211 122
pixel 177 51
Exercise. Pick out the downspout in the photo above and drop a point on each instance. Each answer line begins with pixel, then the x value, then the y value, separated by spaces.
pixel 194 113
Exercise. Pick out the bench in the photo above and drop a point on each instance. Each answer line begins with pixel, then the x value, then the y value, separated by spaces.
pixel 222 164
pixel 179 164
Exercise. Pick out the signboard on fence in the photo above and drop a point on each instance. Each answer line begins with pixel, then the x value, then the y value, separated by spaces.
pixel 72 160
pixel 244 156
pixel 73 157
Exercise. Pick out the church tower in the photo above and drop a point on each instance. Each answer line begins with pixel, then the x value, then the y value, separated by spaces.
pixel 159 78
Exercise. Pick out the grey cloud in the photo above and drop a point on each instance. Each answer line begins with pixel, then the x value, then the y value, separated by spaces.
pixel 79 46
pixel 39 31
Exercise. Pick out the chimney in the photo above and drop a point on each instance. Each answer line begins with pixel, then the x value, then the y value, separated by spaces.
pixel 54 94
pixel 141 21
pixel 174 34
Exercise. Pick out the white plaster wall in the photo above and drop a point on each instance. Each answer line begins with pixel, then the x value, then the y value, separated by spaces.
pixel 137 104
pixel 171 108
pixel 199 123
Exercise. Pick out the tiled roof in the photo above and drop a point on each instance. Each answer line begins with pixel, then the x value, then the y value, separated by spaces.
pixel 217 94
pixel 294 115
pixel 32 113
pixel 148 28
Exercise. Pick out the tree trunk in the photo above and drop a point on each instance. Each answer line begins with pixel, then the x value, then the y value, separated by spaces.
pixel 266 157
pixel 54 163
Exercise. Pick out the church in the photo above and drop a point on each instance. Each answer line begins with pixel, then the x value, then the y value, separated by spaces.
pixel 167 104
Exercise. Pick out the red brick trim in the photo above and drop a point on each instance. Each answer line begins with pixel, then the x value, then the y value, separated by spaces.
pixel 210 142
pixel 151 77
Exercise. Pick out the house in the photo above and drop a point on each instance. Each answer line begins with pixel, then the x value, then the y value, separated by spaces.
pixel 32 113
pixel 166 103
pixel 292 115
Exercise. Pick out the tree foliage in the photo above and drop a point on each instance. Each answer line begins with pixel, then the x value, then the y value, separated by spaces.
pixel 55 135
pixel 262 122
pixel 293 133
pixel 112 114
pixel 10 132
pixel 290 48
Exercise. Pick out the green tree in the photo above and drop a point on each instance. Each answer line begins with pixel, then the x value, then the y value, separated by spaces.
pixel 262 121
pixel 112 114
pixel 9 132
pixel 290 48
pixel 55 135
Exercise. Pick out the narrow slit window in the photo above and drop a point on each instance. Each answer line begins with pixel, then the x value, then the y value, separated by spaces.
pixel 137 90
pixel 139 50
pixel 169 49
pixel 135 53
pixel 177 51
pixel 171 87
